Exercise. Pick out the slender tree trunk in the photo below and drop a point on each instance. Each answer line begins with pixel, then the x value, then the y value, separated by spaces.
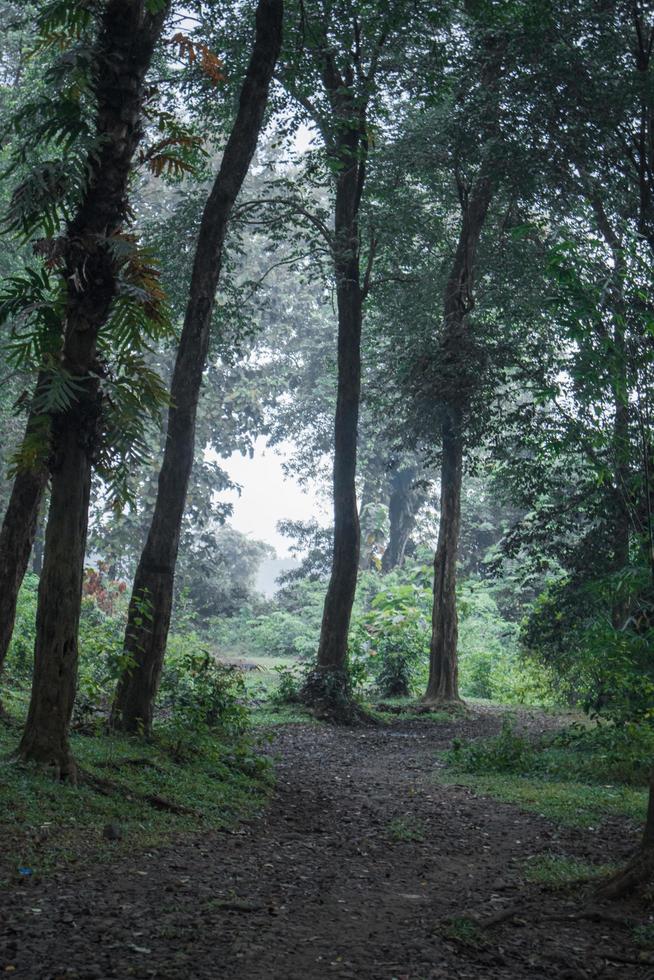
pixel 152 594
pixel 16 539
pixel 622 505
pixel 332 651
pixel 443 684
pixel 459 380
pixel 45 739
pixel 327 688
pixel 402 510
pixel 20 525
pixel 123 51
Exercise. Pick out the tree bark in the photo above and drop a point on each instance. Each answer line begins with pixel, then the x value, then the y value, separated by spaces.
pixel 332 650
pixel 443 684
pixel 123 54
pixel 152 594
pixel 327 688
pixel 16 539
pixel 639 871
pixel 402 510
pixel 459 382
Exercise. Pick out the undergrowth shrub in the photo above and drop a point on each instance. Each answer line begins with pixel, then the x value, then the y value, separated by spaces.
pixel 602 754
pixel 607 671
pixel 506 752
pixel 198 693
pixel 390 640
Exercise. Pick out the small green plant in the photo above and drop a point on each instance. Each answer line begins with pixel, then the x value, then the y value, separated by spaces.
pixel 464 931
pixel 391 639
pixel 405 829
pixel 289 685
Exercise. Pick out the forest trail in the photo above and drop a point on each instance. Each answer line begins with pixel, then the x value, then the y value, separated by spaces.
pixel 351 872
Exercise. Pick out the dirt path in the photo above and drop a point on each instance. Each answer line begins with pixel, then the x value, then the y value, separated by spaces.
pixel 321 887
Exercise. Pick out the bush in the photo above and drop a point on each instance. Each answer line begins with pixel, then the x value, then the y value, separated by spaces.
pixel 20 655
pixel 289 687
pixel 608 671
pixel 490 663
pixel 608 753
pixel 390 640
pixel 198 693
pixel 506 752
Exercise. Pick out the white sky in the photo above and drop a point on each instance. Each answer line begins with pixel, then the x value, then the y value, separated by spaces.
pixel 268 496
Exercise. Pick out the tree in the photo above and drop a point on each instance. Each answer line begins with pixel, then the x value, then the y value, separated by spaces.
pixel 152 592
pixel 89 274
pixel 343 54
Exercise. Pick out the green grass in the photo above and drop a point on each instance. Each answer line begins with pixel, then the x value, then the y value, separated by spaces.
pixel 408 713
pixel 269 714
pixel 46 826
pixel 574 804
pixel 558 873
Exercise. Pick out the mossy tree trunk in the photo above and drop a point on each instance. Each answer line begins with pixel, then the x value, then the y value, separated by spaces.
pixel 123 53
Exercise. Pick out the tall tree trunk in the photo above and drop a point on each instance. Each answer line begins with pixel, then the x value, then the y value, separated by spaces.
pixel 332 650
pixel 327 688
pixel 459 379
pixel 16 539
pixel 152 594
pixel 443 684
pixel 402 510
pixel 123 54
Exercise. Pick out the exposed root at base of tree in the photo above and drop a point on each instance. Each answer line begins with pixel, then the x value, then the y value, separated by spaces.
pixel 524 910
pixel 328 694
pixel 637 875
pixel 60 765
pixel 140 763
pixel 454 706
pixel 107 788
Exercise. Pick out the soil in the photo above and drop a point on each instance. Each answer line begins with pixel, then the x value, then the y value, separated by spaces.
pixel 320 886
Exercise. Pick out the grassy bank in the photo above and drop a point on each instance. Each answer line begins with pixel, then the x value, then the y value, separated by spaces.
pixel 133 795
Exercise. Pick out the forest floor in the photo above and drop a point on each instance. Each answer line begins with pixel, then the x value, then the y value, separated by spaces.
pixel 365 864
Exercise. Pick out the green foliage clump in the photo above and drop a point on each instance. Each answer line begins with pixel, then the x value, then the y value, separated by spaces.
pixel 289 686
pixel 605 753
pixel 390 640
pixel 490 662
pixel 601 754
pixel 199 693
pixel 506 752
pixel 20 655
pixel 607 669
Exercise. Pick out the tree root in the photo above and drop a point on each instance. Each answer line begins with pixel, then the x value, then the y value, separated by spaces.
pixel 107 788
pixel 455 706
pixel 523 911
pixel 142 763
pixel 633 878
